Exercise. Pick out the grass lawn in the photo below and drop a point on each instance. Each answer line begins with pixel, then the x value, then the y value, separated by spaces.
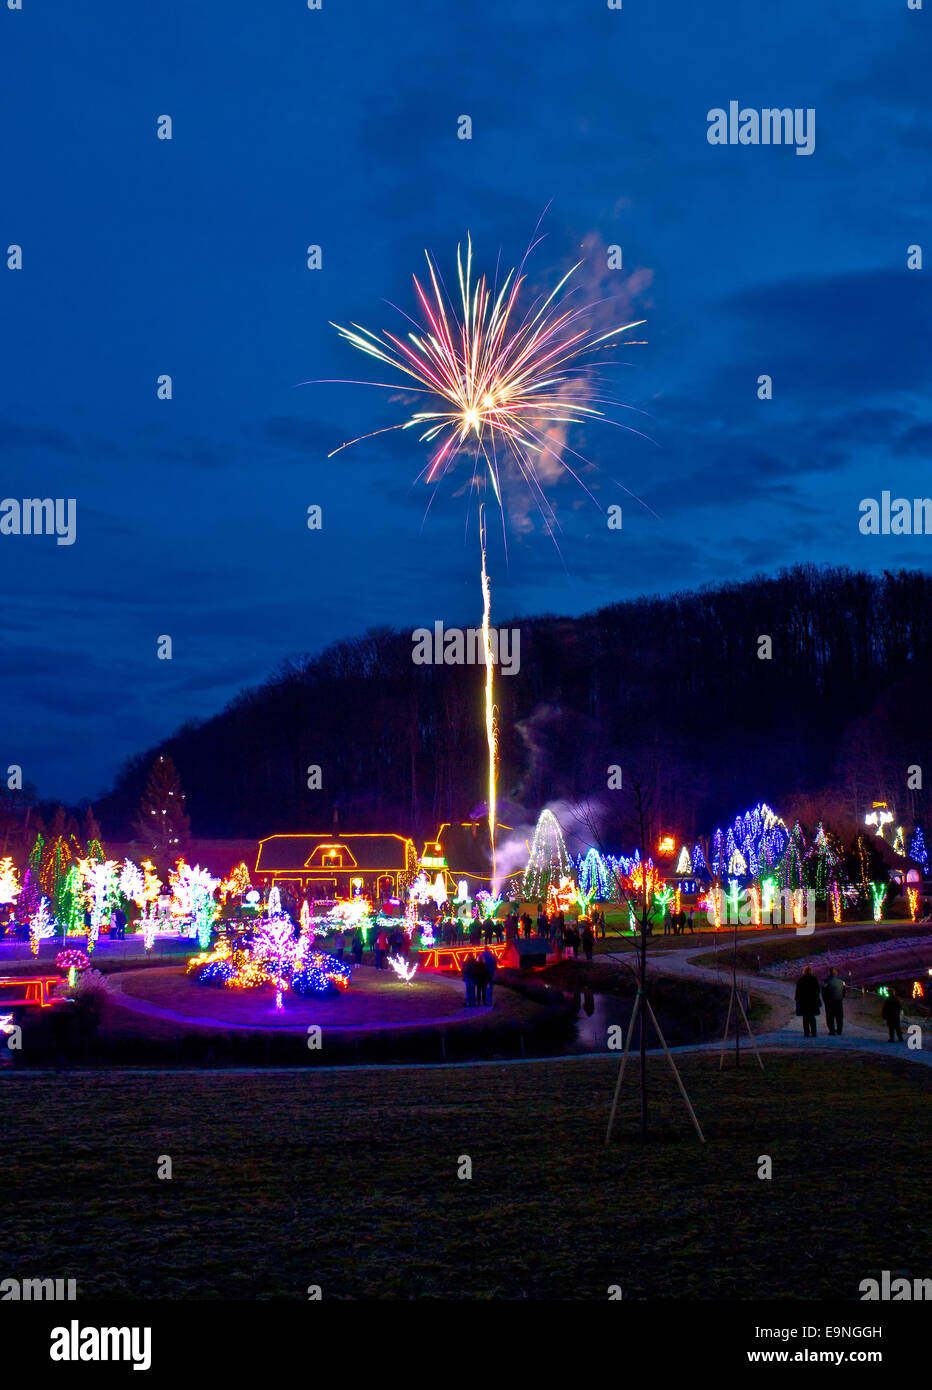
pixel 373 997
pixel 349 1180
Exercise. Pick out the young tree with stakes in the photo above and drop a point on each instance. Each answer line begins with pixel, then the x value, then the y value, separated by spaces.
pixel 641 800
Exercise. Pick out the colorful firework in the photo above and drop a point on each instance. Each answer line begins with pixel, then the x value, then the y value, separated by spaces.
pixel 503 384
pixel 501 380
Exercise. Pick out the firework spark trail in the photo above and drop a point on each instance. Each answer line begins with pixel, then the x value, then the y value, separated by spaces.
pixel 490 730
pixel 500 381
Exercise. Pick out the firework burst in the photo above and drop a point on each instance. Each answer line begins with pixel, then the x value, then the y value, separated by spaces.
pixel 501 381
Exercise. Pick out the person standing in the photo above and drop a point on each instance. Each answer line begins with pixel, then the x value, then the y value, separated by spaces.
pixel 833 993
pixel 808 1001
pixel 480 975
pixel 491 965
pixel 588 941
pixel 469 977
pixel 381 946
pixel 892 1013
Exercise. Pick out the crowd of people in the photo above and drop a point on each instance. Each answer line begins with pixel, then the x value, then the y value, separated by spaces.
pixel 676 923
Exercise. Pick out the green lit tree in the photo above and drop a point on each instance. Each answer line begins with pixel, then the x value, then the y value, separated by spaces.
pixel 71 901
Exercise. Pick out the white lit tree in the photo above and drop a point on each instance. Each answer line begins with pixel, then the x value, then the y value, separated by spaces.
pixel 549 863
pixel 100 878
pixel 132 883
pixel 42 926
pixel 9 882
pixel 193 891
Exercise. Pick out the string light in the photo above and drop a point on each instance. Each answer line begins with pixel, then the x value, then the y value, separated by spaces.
pixel 592 876
pixel 549 863
pixel 41 926
pixel 401 968
pixel 917 850
pixel 9 881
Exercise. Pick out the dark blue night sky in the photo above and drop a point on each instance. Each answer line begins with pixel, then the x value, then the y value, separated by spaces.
pixel 293 127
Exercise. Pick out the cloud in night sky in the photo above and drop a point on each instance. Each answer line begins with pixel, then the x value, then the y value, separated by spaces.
pixel 337 128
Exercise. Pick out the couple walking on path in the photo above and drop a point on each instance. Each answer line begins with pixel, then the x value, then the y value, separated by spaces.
pixel 810 996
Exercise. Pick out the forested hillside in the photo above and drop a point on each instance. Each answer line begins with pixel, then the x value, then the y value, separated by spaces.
pixel 674 684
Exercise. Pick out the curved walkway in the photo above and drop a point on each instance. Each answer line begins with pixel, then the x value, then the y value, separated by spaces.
pixel 857 1037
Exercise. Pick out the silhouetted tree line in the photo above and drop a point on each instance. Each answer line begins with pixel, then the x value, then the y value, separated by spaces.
pixel 832 721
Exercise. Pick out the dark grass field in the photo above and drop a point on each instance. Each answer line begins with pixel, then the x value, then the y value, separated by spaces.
pixel 348 1180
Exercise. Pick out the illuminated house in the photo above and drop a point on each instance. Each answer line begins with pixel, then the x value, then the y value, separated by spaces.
pixel 338 866
pixel 461 851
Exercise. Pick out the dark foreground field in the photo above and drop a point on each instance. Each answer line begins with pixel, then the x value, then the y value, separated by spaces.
pixel 348 1180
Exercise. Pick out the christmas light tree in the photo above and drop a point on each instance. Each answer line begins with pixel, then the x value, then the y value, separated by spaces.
pixel 41 927
pixel 239 881
pixel 55 860
pixel 549 863
pixel 737 864
pixel 132 883
pixel 823 863
pixel 193 898
pixel 30 896
pixel 9 882
pixel 593 877
pixel 151 886
pixel 71 901
pixel 162 823
pixel 101 882
pixel 304 919
pixel 917 850
pixel 793 854
pixel 35 856
pixel 684 863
